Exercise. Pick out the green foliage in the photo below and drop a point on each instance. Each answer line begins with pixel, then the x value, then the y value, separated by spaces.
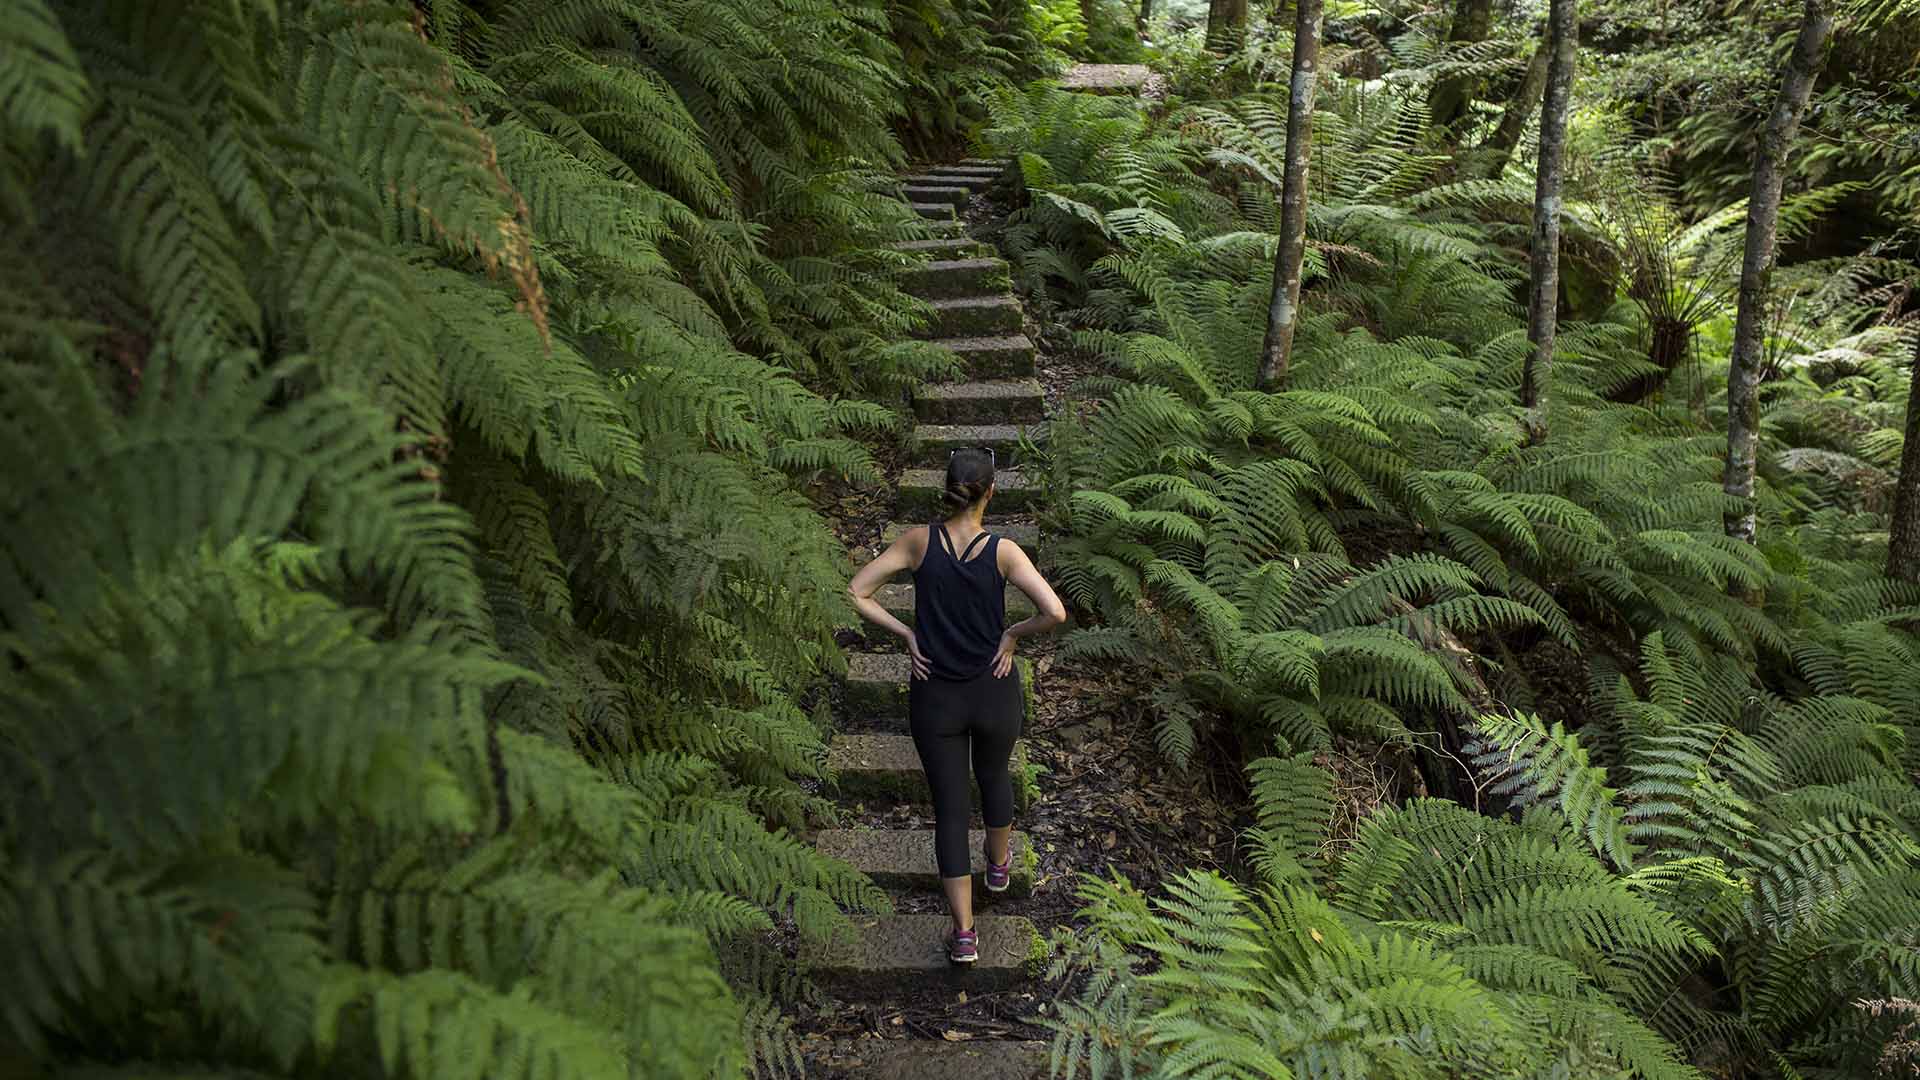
pixel 1379 554
pixel 408 583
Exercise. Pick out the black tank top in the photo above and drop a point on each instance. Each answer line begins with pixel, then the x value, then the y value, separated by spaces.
pixel 959 605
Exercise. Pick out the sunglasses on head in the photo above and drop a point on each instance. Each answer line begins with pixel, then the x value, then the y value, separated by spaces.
pixel 992 458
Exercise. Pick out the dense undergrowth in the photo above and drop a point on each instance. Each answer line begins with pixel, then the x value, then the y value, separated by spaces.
pixel 1706 863
pixel 409 590
pixel 407 585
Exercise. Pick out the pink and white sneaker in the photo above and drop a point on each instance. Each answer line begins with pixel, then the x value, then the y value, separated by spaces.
pixel 1000 875
pixel 963 946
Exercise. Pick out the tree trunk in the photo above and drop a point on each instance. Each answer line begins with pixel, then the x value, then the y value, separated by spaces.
pixel 1543 298
pixel 1903 541
pixel 1283 311
pixel 1225 21
pixel 1447 103
pixel 1146 13
pixel 1086 16
pixel 1756 264
pixel 1513 119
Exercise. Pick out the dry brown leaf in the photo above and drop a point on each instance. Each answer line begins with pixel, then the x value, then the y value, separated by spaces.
pixel 955 1036
pixel 1109 840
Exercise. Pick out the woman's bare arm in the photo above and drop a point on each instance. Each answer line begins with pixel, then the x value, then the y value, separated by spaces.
pixel 902 554
pixel 1019 569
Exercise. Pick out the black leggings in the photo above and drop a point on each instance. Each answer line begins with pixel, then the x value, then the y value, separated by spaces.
pixel 952 721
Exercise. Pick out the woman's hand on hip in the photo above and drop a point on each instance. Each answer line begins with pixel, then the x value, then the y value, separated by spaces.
pixel 1003 657
pixel 921 666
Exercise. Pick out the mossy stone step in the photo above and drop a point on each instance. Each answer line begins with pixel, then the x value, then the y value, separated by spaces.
pixel 936 210
pixel 936 192
pixel 945 247
pixel 892 953
pixel 944 279
pixel 938 1059
pixel 1026 535
pixel 888 766
pixel 974 180
pixel 921 491
pixel 877 683
pixel 974 316
pixel 984 401
pixel 992 357
pixel 903 858
pixel 931 442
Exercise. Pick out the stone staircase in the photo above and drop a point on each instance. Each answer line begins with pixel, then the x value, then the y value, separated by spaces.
pixel 999 404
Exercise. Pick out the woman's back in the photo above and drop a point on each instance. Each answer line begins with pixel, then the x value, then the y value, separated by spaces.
pixel 959 605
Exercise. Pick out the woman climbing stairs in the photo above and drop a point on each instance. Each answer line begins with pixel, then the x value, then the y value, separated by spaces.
pixel 999 404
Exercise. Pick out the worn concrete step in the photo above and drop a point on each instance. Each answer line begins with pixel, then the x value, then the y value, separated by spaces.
pixel 893 953
pixel 945 247
pixel 932 442
pixel 903 858
pixel 995 163
pixel 1026 535
pixel 992 357
pixel 974 316
pixel 888 766
pixel 944 279
pixel 877 683
pixel 938 1059
pixel 897 598
pixel 975 181
pixel 953 194
pixel 937 210
pixel 985 401
pixel 921 491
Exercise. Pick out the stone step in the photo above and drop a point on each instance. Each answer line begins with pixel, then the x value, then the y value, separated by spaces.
pixel 954 194
pixel 938 1059
pixel 992 357
pixel 931 442
pixel 939 211
pixel 974 316
pixel 903 858
pixel 990 163
pixel 974 181
pixel 894 953
pixel 945 247
pixel 888 766
pixel 944 279
pixel 920 493
pixel 987 401
pixel 877 683
pixel 1026 535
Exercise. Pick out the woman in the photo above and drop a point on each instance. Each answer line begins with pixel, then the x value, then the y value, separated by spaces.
pixel 964 699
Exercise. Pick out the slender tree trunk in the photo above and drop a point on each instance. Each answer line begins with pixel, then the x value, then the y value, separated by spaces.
pixel 1543 298
pixel 1520 107
pixel 1086 15
pixel 1225 21
pixel 1450 97
pixel 1756 264
pixel 1283 311
pixel 1146 13
pixel 1903 542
